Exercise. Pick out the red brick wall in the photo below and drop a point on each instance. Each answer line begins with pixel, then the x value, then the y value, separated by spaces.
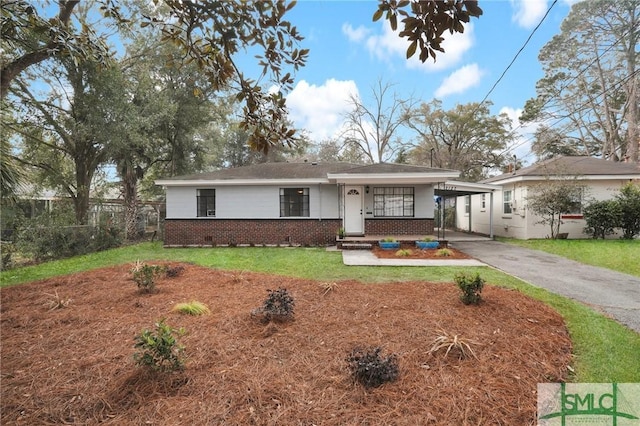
pixel 209 232
pixel 306 232
pixel 403 226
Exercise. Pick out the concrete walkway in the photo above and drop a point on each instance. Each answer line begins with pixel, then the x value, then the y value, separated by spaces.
pixel 609 292
pixel 612 293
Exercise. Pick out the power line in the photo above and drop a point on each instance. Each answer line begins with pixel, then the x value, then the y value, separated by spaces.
pixel 614 86
pixel 559 91
pixel 518 53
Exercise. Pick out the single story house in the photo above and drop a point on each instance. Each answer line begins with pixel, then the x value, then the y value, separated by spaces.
pixel 504 212
pixel 300 203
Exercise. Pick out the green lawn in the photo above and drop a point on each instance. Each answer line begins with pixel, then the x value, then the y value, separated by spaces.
pixel 618 255
pixel 605 351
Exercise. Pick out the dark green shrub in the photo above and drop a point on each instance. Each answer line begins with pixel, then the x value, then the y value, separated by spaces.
pixel 370 369
pixel 105 237
pixel 629 201
pixel 278 306
pixel 174 271
pixel 145 276
pixel 159 349
pixel 601 217
pixel 471 287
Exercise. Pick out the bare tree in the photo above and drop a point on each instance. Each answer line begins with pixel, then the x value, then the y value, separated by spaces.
pixel 372 129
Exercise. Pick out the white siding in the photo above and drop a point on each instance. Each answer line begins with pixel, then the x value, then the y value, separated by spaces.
pixel 250 202
pixel 181 202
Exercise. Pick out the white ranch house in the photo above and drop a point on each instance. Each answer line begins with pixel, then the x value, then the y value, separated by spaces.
pixel 504 212
pixel 303 203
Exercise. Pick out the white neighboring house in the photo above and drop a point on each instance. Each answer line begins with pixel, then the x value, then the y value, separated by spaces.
pixel 602 180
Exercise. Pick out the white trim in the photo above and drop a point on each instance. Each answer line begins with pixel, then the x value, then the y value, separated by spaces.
pixel 514 179
pixel 240 182
pixel 390 178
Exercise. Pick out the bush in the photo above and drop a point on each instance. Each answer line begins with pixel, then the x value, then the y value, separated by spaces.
pixel 471 287
pixel 160 350
pixel 278 306
pixel 404 253
pixel 601 218
pixel 629 201
pixel 444 252
pixel 174 271
pixel 145 276
pixel 372 370
pixel 44 238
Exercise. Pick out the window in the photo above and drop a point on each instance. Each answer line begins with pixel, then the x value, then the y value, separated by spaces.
pixel 507 198
pixel 576 204
pixel 206 202
pixel 467 204
pixel 483 202
pixel 294 202
pixel 393 202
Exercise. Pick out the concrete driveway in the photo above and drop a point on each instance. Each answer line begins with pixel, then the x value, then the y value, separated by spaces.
pixel 609 292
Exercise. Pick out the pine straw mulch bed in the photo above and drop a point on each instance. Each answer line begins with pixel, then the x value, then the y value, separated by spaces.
pixel 416 253
pixel 74 365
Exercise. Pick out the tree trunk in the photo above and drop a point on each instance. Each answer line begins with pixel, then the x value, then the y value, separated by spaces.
pixel 130 195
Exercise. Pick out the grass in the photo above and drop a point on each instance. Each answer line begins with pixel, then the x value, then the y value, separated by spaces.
pixel 617 255
pixel 192 308
pixel 605 351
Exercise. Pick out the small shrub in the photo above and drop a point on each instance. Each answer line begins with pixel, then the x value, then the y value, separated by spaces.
pixel 174 271
pixel 388 240
pixel 278 306
pixel 192 308
pixel 145 276
pixel 370 369
pixel 428 239
pixel 453 342
pixel 159 349
pixel 444 252
pixel 328 287
pixel 404 253
pixel 56 302
pixel 470 286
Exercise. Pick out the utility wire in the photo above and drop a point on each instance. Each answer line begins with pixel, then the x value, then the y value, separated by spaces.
pixel 518 53
pixel 559 91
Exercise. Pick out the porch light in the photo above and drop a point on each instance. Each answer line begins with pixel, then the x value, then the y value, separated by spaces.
pixel 366 189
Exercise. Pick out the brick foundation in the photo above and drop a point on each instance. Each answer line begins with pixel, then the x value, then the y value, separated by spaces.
pixel 212 232
pixel 401 226
pixel 305 232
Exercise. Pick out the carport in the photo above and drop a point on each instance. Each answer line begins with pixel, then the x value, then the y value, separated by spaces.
pixel 453 188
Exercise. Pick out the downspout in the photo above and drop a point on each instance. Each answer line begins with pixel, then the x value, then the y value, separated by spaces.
pixel 491 214
pixel 470 210
pixel 320 202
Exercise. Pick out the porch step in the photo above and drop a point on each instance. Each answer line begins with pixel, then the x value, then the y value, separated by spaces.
pixel 356 246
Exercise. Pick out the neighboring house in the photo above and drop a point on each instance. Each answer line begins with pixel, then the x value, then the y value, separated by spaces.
pixel 601 179
pixel 300 203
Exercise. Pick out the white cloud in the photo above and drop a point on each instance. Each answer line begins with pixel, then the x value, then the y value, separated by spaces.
pixel 527 13
pixel 355 35
pixel 460 80
pixel 524 133
pixel 320 109
pixel 387 46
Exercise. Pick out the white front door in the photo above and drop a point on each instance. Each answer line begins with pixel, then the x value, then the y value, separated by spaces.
pixel 353 204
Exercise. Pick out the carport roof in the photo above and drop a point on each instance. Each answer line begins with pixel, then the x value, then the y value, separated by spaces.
pixel 452 188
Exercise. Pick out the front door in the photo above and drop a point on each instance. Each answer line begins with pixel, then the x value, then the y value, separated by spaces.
pixel 353 204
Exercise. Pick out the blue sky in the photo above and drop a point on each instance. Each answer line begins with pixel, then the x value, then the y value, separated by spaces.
pixel 349 54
